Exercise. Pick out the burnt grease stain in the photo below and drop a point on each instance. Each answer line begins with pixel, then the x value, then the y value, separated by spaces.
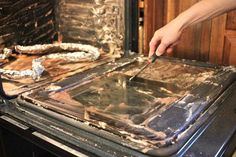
pixel 134 100
pixel 148 109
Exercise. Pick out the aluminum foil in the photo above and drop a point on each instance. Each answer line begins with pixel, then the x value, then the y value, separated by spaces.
pixel 70 52
pixel 6 53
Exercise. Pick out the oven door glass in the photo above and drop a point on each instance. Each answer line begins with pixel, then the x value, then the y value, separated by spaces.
pixel 151 110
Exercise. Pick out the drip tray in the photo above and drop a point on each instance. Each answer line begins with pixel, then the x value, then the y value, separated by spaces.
pixel 149 112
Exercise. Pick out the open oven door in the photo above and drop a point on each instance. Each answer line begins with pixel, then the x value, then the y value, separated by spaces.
pixel 158 113
pixel 92 109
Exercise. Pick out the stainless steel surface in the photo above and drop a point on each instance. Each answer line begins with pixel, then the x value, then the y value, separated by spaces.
pixel 152 59
pixel 143 68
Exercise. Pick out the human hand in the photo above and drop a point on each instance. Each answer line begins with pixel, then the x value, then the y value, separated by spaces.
pixel 165 38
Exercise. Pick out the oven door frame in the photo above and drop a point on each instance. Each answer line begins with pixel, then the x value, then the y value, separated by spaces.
pixel 185 141
pixel 33 123
pixel 131 26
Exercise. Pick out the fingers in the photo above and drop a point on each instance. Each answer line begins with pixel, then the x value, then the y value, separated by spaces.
pixel 161 49
pixel 161 44
pixel 153 44
pixel 169 50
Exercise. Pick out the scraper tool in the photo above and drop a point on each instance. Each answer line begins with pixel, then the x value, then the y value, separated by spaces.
pixel 151 60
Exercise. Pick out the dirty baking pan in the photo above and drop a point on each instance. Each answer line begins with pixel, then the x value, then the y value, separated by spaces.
pixel 155 112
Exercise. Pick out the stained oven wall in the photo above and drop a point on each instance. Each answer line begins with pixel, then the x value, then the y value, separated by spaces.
pixel 27 22
pixel 96 22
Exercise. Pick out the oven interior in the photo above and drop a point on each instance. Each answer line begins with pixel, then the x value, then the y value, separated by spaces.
pixel 109 26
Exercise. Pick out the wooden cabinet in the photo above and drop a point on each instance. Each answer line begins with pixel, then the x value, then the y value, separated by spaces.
pixel 213 40
pixel 230 39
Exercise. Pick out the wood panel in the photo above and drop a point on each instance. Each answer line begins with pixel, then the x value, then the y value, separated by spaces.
pixel 153 19
pixel 230 50
pixel 217 39
pixel 230 39
pixel 189 36
pixel 205 41
pixel 231 21
pixel 210 40
pixel 232 57
pixel 171 10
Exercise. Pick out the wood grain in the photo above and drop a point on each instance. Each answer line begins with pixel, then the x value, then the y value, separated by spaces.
pixel 231 21
pixel 210 41
pixel 230 50
pixel 205 41
pixel 190 38
pixel 153 19
pixel 217 39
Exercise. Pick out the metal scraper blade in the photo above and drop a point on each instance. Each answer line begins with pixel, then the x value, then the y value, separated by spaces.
pixel 151 60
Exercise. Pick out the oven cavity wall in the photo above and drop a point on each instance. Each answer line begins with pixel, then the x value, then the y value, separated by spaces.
pixel 97 22
pixel 27 22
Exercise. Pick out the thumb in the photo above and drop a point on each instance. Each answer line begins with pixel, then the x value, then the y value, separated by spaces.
pixel 161 49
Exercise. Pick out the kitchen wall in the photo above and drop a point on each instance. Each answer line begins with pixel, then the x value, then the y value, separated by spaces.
pixel 213 40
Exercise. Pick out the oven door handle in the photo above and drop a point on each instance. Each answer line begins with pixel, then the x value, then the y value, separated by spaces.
pixel 3 93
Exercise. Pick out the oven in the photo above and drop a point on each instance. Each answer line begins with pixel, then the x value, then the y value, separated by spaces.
pixel 66 90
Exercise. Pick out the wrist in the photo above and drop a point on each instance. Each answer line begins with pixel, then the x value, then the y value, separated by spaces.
pixel 183 21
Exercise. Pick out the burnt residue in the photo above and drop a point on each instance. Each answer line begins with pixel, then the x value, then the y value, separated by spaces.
pixel 152 110
pixel 184 76
pixel 117 95
pixel 26 22
pixel 56 68
pixel 69 52
pixel 134 106
pixel 95 22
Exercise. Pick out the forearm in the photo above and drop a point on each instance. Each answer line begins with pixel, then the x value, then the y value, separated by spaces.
pixel 168 36
pixel 204 10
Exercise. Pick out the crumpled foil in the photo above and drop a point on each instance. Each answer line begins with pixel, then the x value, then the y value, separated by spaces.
pixel 6 53
pixel 75 53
